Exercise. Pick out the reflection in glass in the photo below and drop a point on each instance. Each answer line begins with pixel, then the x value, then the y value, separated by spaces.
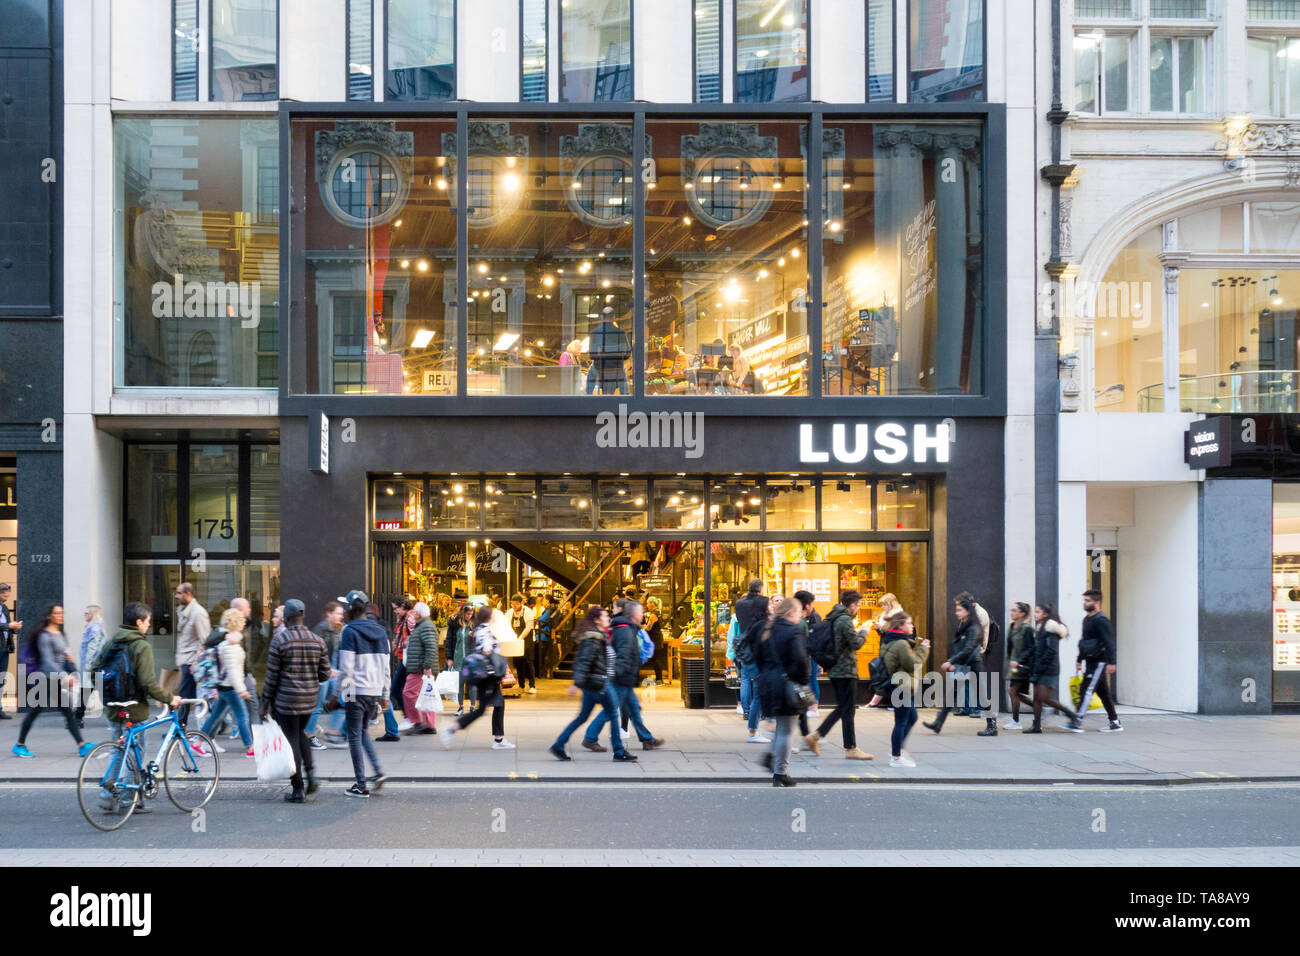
pixel 946 62
pixel 566 503
pixel 880 51
pixel 902 505
pixel 151 498
pixel 361 80
pixel 185 50
pixel 791 503
pixel 1128 342
pixel 533 51
pixel 378 235
pixel 736 503
pixel 679 504
pixel 1286 590
pixel 708 51
pixel 198 256
pixel 902 251
pixel 846 504
pixel 771 51
pixel 550 266
pixel 623 505
pixel 153 583
pixel 421 50
pixel 214 497
pixel 399 505
pixel 245 37
pixel 264 499
pixel 726 257
pixel 596 51
pixel 454 503
pixel 510 503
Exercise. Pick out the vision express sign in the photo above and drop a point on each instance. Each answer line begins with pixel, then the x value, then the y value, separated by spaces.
pixel 1208 444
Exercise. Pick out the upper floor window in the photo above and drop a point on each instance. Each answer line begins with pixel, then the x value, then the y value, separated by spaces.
pixel 421 50
pixel 771 51
pixel 1273 9
pixel 185 50
pixel 946 54
pixel 1142 56
pixel 595 51
pixel 245 43
pixel 1273 75
pixel 880 51
pixel 361 50
pixel 708 51
pixel 533 58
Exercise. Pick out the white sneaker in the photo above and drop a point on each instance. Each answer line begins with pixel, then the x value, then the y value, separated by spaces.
pixel 531 690
pixel 740 710
pixel 812 712
pixel 218 748
pixel 502 744
pixel 1011 725
pixel 903 761
pixel 404 725
pixel 794 748
pixel 447 733
pixel 759 739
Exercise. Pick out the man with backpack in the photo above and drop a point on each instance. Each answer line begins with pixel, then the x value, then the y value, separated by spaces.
pixel 843 674
pixel 751 615
pixel 594 665
pixel 627 663
pixel 127 676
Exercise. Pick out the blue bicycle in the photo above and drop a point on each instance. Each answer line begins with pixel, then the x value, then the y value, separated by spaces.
pixel 114 777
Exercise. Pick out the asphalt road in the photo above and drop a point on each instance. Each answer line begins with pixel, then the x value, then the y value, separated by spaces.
pixel 612 816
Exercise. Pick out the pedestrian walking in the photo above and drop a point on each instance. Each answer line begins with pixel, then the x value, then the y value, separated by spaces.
pixel 92 642
pixel 489 689
pixel 330 631
pixel 654 628
pixel 810 620
pixel 543 628
pixel 460 639
pixel 967 644
pixel 1096 661
pixel 844 678
pixel 594 666
pixel 297 664
pixel 364 682
pixel 781 652
pixel 623 639
pixel 9 631
pixel 1042 666
pixel 751 614
pixel 1020 648
pixel 421 662
pixel 402 627
pixel 905 655
pixel 232 694
pixel 192 628
pixel 51 678
pixel 968 697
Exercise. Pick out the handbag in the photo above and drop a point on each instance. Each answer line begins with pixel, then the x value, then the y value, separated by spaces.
pixel 731 678
pixel 448 684
pixel 797 696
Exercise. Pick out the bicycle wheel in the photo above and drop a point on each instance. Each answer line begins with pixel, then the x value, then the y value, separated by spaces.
pixel 191 780
pixel 107 804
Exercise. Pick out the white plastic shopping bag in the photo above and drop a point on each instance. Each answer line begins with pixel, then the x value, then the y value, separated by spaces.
pixel 448 684
pixel 429 701
pixel 271 748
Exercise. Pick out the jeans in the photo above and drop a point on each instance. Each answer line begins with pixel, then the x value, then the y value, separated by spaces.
pixel 749 697
pixel 626 700
pixel 390 719
pixel 110 772
pixel 813 682
pixel 846 702
pixel 188 689
pixel 295 730
pixel 966 702
pixel 360 712
pixel 590 699
pixel 904 720
pixel 314 719
pixel 230 700
pixel 781 744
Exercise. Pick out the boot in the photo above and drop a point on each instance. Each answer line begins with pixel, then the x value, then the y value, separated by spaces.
pixel 782 780
pixel 312 784
pixel 990 728
pixel 1037 728
pixel 814 742
pixel 937 726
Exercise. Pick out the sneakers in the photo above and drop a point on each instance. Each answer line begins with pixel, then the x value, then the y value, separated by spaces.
pixel 1114 727
pixel 85 748
pixel 387 739
pixel 217 747
pixel 249 753
pixel 404 726
pixel 295 796
pixel 316 744
pixel 812 712
pixel 531 690
pixel 794 748
pixel 1011 725
pixel 857 754
pixel 902 761
pixel 378 780
pixel 416 730
pixel 782 780
pixel 558 752
pixel 446 734
pixel 21 751
pixel 814 742
pixel 356 790
pixel 199 749
pixel 757 738
pixel 1073 726
pixel 623 756
pixel 594 746
pixel 502 744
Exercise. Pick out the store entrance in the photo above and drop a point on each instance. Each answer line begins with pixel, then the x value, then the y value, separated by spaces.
pixel 688 588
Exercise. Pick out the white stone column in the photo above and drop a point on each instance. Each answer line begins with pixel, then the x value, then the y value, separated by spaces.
pixel 1073 565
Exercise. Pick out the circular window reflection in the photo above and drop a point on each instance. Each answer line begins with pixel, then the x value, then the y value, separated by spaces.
pixel 729 191
pixel 365 188
pixel 601 191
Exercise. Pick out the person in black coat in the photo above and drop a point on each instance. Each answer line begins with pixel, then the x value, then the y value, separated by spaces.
pixel 782 654
pixel 609 348
pixel 967 645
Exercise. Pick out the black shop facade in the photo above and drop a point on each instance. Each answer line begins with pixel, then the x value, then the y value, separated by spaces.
pixel 683 507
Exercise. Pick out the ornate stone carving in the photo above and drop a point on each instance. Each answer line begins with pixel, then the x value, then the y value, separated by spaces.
pixel 1171 279
pixel 1244 137
pixel 383 136
pixel 1066 223
pixel 595 139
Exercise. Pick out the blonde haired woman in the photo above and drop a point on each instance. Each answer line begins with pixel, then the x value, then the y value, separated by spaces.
pixel 92 642
pixel 231 692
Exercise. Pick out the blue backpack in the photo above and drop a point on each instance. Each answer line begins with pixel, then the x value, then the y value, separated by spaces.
pixel 647 645
pixel 117 675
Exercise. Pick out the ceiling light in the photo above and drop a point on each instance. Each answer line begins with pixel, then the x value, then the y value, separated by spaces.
pixel 406 263
pixel 482 268
pixel 422 338
pixel 794 253
pixel 507 339
pixel 396 224
pixel 577 184
pixel 422 265
pixel 442 183
pixel 510 182
pixel 686 220
pixel 548 281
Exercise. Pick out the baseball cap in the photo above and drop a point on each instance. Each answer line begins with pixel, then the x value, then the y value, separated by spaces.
pixel 293 607
pixel 355 598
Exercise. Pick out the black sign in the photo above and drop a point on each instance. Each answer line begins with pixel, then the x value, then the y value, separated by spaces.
pixel 1208 444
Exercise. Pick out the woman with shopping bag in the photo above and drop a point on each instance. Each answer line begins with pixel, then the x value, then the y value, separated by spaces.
pixel 297 663
pixel 421 664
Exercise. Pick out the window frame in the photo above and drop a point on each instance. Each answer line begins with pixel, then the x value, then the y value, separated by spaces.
pixel 455 56
pixel 1279 90
pixel 1134 46
pixel 735 58
pixel 546 43
pixel 347 46
pixel 211 70
pixel 695 53
pixel 1176 35
pixel 904 94
pixel 631 66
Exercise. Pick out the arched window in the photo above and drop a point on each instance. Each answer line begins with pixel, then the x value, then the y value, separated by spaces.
pixel 201 360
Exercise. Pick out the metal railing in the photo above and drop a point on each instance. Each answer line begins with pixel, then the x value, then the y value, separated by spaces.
pixel 1254 392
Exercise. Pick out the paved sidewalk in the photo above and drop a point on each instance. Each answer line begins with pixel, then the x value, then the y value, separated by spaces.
pixel 711 746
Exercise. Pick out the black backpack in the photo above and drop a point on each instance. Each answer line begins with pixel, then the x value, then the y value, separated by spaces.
pixel 743 646
pixel 117 675
pixel 878 676
pixel 821 643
